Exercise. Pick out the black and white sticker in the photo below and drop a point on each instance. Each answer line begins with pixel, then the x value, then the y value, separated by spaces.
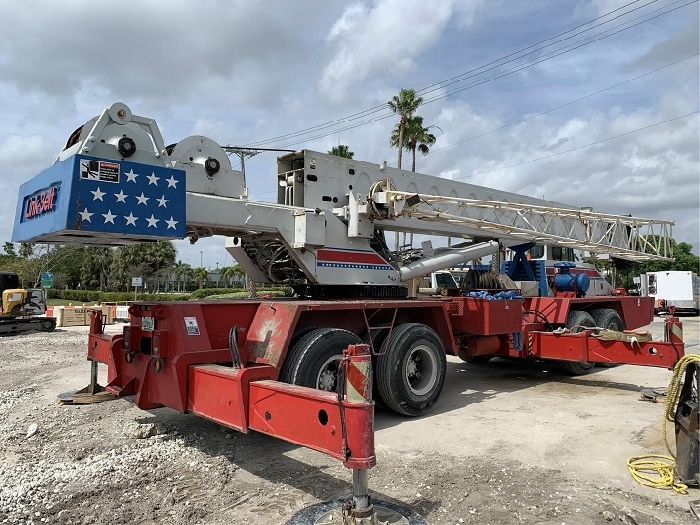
pixel 99 170
pixel 191 325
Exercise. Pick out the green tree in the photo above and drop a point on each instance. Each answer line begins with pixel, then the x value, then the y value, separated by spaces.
pixel 416 137
pixel 96 268
pixel 154 261
pixel 26 250
pixel 9 249
pixel 67 266
pixel 200 275
pixel 231 274
pixel 405 105
pixel 183 274
pixel 342 151
pixel 684 260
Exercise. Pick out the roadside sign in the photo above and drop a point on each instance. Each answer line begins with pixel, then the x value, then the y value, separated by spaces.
pixel 46 279
pixel 136 281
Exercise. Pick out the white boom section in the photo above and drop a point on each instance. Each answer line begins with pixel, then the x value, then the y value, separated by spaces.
pixel 326 227
pixel 622 236
pixel 371 197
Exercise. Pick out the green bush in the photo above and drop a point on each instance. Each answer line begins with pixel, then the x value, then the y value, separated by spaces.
pixel 231 293
pixel 87 296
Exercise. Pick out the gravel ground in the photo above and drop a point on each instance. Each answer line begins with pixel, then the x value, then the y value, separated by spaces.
pixel 485 459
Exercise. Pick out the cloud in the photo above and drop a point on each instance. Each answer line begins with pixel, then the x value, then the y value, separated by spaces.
pixel 383 39
pixel 168 52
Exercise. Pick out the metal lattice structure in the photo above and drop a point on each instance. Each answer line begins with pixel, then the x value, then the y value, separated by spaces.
pixel 626 237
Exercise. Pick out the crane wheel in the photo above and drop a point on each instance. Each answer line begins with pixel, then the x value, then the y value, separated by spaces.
pixel 576 321
pixel 314 360
pixel 411 371
pixel 609 319
pixel 378 337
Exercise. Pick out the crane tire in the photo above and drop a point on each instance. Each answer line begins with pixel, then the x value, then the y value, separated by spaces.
pixel 575 321
pixel 314 359
pixel 378 338
pixel 411 371
pixel 608 318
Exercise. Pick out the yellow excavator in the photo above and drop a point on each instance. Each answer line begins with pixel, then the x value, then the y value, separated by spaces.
pixel 22 309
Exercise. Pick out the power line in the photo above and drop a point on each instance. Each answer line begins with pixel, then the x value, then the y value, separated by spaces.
pixel 515 69
pixel 562 152
pixel 578 148
pixel 452 80
pixel 383 106
pixel 566 104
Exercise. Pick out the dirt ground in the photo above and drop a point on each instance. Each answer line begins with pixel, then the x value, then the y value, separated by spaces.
pixel 506 443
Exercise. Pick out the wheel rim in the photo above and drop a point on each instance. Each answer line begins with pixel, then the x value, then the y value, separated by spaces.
pixel 327 378
pixel 420 371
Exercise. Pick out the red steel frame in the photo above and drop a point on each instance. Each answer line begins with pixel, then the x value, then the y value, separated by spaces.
pixel 183 361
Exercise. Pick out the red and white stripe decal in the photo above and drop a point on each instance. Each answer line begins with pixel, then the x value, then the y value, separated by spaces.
pixel 363 260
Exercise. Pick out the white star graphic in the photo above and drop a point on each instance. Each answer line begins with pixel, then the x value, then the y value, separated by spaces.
pixel 142 199
pixel 85 215
pixel 152 221
pixel 121 196
pixel 98 194
pixel 172 183
pixel 171 223
pixel 131 176
pixel 109 216
pixel 162 201
pixel 130 219
pixel 152 179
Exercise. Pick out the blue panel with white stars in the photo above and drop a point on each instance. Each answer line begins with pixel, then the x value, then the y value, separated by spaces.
pixel 98 201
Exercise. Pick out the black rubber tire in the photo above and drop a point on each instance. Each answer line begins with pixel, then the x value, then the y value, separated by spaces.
pixel 401 367
pixel 48 324
pixel 317 351
pixel 574 321
pixel 378 337
pixel 609 319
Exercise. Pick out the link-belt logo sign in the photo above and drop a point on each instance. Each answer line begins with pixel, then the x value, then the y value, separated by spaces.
pixel 41 202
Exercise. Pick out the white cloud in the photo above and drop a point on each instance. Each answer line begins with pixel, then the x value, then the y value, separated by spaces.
pixel 382 39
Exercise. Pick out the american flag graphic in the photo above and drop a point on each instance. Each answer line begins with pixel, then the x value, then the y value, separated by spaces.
pixel 129 198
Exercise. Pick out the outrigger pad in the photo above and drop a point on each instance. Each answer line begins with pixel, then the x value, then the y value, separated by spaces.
pixel 86 200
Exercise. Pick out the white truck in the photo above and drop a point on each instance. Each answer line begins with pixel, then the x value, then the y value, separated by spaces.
pixel 673 289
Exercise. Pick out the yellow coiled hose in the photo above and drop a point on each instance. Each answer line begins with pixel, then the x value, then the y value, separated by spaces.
pixel 654 470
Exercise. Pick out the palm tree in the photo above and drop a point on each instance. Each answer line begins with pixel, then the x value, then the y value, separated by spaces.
pixel 405 105
pixel 200 275
pixel 180 270
pixel 227 273
pixel 238 271
pixel 342 150
pixel 416 137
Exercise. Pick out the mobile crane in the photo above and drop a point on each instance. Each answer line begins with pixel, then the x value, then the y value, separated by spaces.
pixel 298 369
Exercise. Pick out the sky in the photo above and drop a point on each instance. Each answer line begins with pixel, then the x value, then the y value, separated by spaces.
pixel 595 103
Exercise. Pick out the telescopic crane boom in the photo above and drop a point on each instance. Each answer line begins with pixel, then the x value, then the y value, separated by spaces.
pixel 325 232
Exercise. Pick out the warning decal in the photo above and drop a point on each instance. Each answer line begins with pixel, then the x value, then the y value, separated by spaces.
pixel 99 170
pixel 191 325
